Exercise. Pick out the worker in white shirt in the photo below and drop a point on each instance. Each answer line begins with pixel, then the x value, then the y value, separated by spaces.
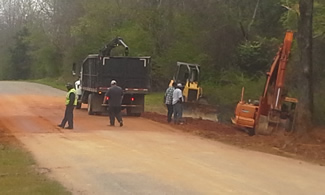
pixel 177 104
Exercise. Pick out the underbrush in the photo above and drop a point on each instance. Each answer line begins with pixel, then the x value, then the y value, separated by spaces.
pixel 57 83
pixel 154 102
pixel 226 93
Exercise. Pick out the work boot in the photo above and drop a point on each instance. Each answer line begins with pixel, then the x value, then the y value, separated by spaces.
pixel 121 124
pixel 69 128
pixel 60 126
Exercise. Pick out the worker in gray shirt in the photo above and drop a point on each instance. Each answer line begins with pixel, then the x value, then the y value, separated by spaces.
pixel 114 95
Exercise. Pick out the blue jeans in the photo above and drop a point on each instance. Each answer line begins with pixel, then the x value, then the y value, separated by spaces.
pixel 178 112
pixel 170 112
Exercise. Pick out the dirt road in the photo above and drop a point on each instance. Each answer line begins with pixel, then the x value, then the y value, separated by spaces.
pixel 142 157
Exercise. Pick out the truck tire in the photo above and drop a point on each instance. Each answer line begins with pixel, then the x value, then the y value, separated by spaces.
pixel 78 106
pixel 128 112
pixel 90 104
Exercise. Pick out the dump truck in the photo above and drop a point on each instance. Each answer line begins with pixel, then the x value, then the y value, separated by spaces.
pixel 274 109
pixel 131 73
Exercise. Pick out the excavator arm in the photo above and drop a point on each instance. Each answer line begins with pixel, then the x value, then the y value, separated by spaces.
pixel 264 115
pixel 106 50
pixel 273 89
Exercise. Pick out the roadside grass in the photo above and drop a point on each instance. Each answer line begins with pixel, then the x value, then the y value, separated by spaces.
pixel 56 83
pixel 154 102
pixel 18 174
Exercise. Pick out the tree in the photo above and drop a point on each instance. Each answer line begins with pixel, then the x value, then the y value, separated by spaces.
pixel 305 67
pixel 20 62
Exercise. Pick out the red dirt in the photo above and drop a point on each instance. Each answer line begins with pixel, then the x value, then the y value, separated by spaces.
pixel 310 147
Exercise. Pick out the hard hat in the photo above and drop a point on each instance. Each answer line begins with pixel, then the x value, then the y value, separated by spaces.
pixel 113 82
pixel 179 85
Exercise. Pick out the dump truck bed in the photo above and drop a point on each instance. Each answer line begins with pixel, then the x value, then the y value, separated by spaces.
pixel 129 72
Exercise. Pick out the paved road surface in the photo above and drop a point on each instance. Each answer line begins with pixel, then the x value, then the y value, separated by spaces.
pixel 143 157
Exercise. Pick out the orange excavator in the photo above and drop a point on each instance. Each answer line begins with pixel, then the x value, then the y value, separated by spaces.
pixel 273 110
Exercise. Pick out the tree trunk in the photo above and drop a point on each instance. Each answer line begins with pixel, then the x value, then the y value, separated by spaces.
pixel 305 68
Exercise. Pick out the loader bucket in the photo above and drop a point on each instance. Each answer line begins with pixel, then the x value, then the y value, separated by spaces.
pixel 199 110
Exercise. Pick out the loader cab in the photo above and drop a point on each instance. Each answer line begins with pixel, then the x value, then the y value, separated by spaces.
pixel 187 73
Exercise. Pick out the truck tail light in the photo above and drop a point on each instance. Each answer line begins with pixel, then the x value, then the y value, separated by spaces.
pixel 132 99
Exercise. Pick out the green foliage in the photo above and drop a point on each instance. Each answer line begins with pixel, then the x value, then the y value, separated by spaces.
pixel 154 102
pixel 96 27
pixel 4 65
pixel 46 60
pixel 254 57
pixel 226 92
pixel 250 58
pixel 56 83
pixel 20 62
pixel 319 19
pixel 290 18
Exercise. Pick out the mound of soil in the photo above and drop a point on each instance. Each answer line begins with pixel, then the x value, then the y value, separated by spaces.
pixel 309 147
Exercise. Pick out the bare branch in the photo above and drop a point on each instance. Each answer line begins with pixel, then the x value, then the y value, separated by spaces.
pixel 254 16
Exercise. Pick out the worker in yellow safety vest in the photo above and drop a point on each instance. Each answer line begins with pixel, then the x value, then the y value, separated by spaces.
pixel 70 102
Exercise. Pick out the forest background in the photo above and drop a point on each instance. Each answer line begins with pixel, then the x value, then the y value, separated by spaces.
pixel 234 41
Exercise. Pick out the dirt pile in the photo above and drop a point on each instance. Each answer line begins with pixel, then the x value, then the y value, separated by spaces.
pixel 310 147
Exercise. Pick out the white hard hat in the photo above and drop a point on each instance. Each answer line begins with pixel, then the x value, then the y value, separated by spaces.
pixel 179 85
pixel 113 82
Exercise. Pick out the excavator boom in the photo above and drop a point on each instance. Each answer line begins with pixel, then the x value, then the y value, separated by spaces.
pixel 273 89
